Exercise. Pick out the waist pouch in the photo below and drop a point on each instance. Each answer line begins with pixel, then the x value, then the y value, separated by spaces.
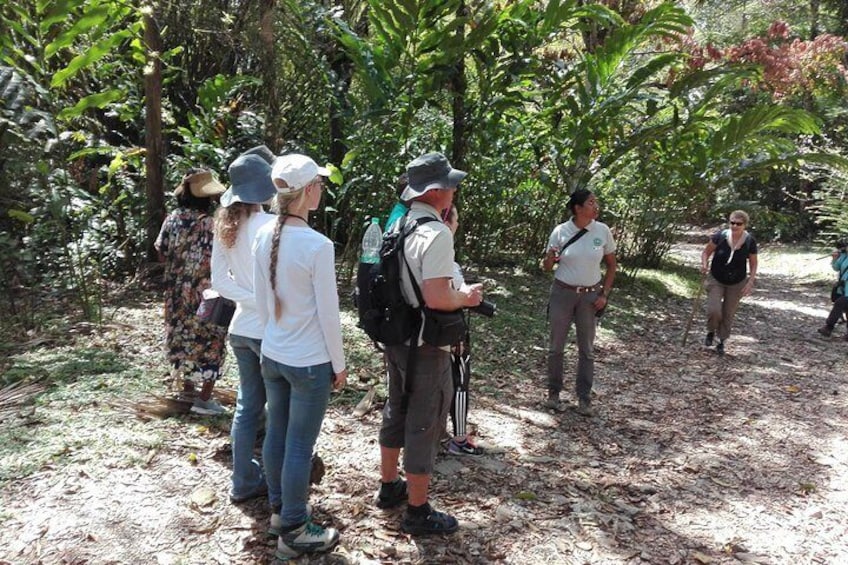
pixel 443 328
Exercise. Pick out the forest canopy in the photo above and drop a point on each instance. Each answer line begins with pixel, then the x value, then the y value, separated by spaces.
pixel 673 113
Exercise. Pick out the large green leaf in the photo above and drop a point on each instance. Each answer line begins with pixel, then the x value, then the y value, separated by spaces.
pixel 92 55
pixel 98 100
pixel 92 19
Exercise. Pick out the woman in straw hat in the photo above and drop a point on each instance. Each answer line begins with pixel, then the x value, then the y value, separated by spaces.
pixel 195 347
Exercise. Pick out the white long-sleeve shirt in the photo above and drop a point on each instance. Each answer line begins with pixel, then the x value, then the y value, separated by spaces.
pixel 309 331
pixel 232 275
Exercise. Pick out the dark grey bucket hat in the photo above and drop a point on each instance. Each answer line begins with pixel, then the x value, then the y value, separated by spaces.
pixel 250 181
pixel 429 172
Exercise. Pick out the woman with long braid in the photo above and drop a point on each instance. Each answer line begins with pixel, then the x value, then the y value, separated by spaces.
pixel 302 357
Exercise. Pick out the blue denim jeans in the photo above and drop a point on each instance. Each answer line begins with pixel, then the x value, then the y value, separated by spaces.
pixel 297 401
pixel 247 475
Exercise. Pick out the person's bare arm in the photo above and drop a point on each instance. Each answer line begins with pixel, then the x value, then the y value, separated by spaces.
pixel 440 295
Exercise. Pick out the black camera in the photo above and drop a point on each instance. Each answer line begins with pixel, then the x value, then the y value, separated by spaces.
pixel 485 308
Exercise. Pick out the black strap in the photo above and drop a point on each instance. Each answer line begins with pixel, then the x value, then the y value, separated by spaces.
pixel 407 227
pixel 574 238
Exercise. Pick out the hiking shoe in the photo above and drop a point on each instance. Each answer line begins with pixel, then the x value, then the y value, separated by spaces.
pixel 276 526
pixel 428 522
pixel 584 408
pixel 261 490
pixel 465 447
pixel 209 407
pixel 720 348
pixel 308 538
pixel 554 403
pixel 392 494
pixel 708 341
pixel 825 331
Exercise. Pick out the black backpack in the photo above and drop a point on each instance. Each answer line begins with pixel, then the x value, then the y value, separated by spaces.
pixel 384 314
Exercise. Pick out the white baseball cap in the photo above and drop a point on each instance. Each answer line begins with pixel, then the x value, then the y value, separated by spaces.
pixel 296 171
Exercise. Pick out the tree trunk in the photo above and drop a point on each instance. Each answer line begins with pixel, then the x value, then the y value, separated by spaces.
pixel 459 86
pixel 268 67
pixel 153 135
pixel 814 18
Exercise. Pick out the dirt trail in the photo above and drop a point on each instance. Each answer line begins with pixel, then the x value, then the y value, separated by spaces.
pixel 693 458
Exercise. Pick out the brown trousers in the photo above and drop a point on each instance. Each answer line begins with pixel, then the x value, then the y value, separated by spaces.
pixel 722 302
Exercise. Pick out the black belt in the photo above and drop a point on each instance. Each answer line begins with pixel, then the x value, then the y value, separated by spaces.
pixel 578 289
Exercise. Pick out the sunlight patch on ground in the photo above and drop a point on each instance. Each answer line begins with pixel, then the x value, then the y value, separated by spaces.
pixel 787 306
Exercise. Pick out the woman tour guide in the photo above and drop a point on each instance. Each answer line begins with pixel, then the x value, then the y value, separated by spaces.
pixel 578 294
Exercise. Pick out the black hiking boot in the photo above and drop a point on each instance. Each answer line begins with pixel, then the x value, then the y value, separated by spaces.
pixel 708 341
pixel 720 348
pixel 392 494
pixel 424 521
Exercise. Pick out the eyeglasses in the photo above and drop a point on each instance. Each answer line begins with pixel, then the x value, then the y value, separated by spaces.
pixel 732 223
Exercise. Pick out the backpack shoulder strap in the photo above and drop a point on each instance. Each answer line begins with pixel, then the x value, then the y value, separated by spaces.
pixel 407 228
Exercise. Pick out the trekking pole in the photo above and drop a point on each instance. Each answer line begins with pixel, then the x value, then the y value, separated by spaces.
pixel 694 309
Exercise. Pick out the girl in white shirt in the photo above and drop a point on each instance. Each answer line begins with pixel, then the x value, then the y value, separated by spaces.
pixel 236 223
pixel 302 356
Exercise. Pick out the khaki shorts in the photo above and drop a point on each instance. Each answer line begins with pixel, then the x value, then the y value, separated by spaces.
pixel 417 405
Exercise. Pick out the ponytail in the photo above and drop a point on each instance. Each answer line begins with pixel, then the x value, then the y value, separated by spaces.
pixel 282 203
pixel 275 248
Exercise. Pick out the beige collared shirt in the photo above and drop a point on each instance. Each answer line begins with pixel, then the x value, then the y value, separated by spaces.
pixel 428 251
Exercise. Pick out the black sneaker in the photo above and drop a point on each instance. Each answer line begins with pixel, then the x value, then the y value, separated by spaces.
pixel 708 341
pixel 428 523
pixel 392 494
pixel 720 348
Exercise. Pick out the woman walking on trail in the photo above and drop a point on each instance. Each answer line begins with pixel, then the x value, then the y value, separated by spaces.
pixel 840 305
pixel 730 276
pixel 460 443
pixel 302 356
pixel 578 294
pixel 237 222
pixel 195 347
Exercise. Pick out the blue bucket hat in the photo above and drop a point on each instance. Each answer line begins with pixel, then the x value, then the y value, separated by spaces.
pixel 263 152
pixel 250 181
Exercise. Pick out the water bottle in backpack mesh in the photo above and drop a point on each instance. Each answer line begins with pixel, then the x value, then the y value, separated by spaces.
pixel 372 241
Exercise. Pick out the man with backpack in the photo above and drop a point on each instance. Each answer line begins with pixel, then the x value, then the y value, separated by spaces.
pixel 420 385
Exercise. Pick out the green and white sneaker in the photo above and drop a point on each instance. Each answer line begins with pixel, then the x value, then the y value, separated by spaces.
pixel 276 525
pixel 308 538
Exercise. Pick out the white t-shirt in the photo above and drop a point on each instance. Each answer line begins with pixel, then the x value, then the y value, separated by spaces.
pixel 232 275
pixel 309 331
pixel 580 265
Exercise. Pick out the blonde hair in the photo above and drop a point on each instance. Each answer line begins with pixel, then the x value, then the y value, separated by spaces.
pixel 228 221
pixel 741 214
pixel 281 204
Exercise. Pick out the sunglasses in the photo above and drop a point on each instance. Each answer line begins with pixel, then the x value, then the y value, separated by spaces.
pixel 732 223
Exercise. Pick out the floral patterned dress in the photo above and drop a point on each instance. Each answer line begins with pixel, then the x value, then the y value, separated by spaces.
pixel 194 346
